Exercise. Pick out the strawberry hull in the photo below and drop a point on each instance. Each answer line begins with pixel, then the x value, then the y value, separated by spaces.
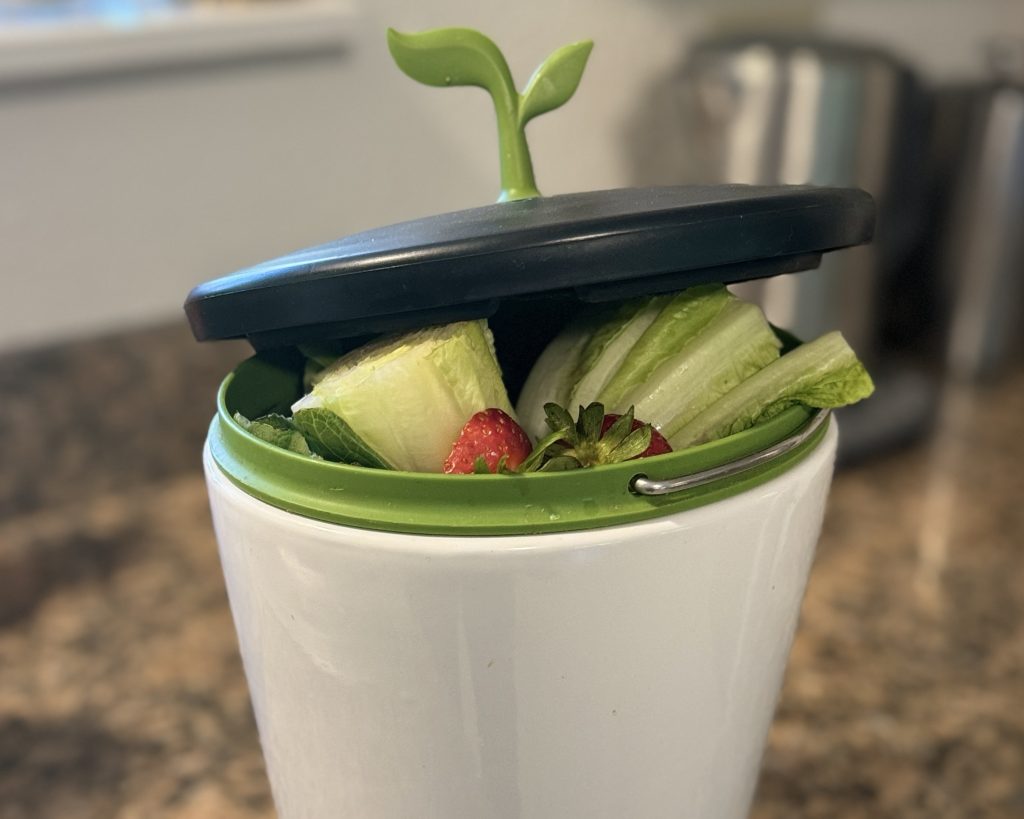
pixel 659 446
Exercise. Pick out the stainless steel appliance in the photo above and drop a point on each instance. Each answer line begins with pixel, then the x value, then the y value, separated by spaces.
pixel 770 110
pixel 764 110
pixel 980 240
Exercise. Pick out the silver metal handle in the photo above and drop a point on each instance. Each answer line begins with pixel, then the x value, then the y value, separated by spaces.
pixel 642 485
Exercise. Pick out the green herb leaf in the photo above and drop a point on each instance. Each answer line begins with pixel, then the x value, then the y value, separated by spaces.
pixel 330 437
pixel 276 420
pixel 276 430
pixel 555 81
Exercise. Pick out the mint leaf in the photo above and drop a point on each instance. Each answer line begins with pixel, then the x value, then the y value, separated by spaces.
pixel 275 420
pixel 276 430
pixel 330 437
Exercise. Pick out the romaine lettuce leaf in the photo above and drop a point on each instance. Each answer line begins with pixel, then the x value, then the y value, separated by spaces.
pixel 550 378
pixel 731 347
pixel 821 373
pixel 408 397
pixel 681 318
pixel 608 347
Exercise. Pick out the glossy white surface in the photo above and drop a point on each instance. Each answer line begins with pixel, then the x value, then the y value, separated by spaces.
pixel 624 672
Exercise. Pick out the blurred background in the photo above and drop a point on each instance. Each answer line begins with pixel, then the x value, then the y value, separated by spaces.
pixel 150 145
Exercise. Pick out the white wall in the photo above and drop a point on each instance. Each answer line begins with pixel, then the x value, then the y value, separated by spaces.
pixel 119 192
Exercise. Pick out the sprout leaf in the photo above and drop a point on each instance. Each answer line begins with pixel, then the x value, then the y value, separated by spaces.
pixel 452 56
pixel 555 81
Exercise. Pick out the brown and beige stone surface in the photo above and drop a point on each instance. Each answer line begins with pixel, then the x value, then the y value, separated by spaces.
pixel 122 694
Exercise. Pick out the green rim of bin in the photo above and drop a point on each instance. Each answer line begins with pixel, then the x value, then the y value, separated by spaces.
pixel 437 504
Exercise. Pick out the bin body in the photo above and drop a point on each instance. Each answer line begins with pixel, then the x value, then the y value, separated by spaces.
pixel 626 671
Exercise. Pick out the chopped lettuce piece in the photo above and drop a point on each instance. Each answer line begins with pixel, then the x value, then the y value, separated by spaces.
pixel 550 378
pixel 408 397
pixel 821 373
pixel 605 351
pixel 731 347
pixel 685 315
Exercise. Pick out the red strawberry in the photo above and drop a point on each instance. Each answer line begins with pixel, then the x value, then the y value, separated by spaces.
pixel 659 446
pixel 490 435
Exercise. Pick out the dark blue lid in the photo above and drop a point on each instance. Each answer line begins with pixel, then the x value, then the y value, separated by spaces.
pixel 594 246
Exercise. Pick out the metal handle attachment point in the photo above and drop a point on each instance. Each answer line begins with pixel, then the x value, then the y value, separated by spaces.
pixel 642 485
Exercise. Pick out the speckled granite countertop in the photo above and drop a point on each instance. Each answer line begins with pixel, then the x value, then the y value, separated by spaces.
pixel 121 690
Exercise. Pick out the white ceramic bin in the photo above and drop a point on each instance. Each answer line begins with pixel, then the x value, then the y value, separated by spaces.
pixel 624 671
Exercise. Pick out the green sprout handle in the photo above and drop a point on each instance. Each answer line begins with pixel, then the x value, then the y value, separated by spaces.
pixel 462 56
